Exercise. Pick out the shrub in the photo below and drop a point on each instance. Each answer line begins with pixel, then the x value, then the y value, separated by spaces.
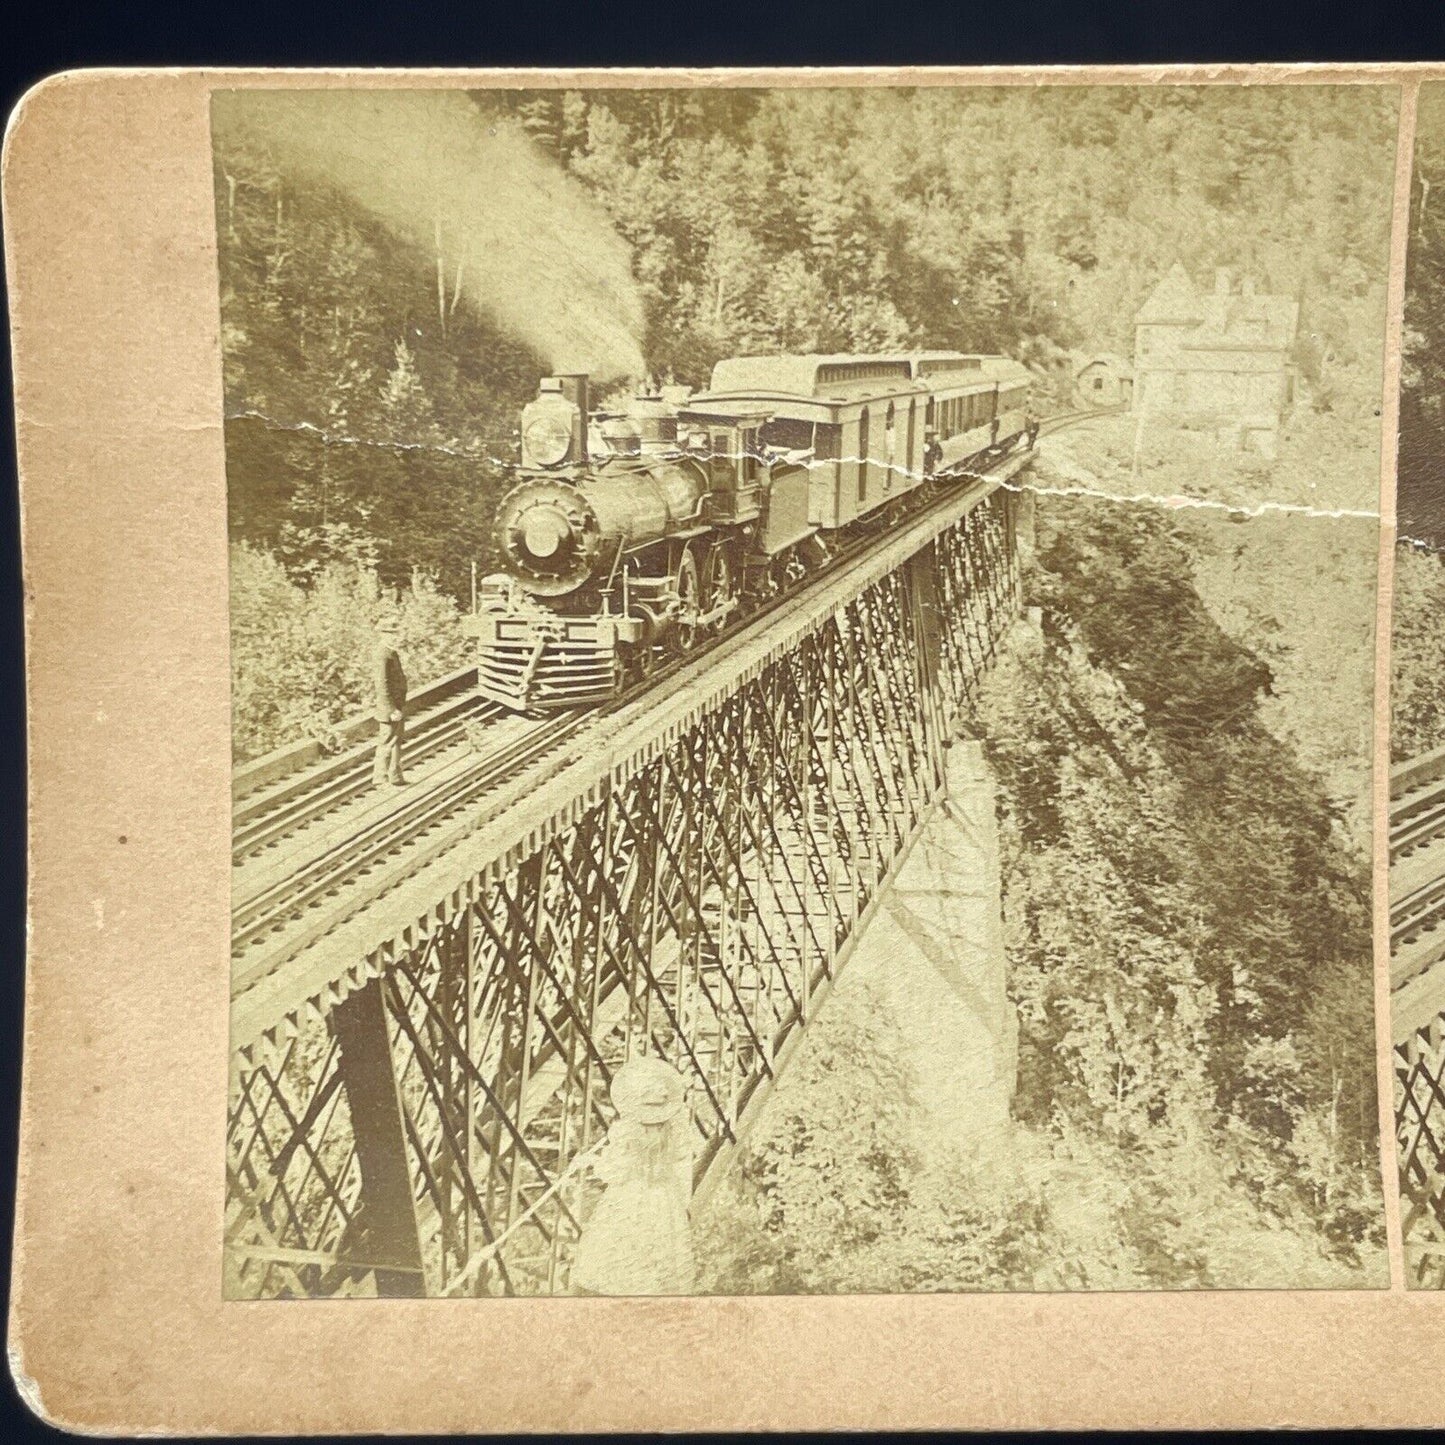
pixel 301 656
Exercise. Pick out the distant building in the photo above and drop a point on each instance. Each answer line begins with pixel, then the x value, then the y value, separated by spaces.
pixel 1216 358
pixel 1105 380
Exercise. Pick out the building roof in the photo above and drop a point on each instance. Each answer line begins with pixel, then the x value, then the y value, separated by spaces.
pixel 1173 299
pixel 842 374
pixel 1224 318
pixel 1248 321
pixel 1111 359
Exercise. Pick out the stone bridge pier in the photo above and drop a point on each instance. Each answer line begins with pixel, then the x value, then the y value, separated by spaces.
pixel 935 952
pixel 947 905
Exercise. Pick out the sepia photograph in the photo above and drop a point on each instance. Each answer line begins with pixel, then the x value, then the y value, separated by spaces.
pixel 1417 725
pixel 802 688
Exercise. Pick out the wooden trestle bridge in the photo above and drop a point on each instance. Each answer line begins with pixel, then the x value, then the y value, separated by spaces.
pixel 1417 977
pixel 432 987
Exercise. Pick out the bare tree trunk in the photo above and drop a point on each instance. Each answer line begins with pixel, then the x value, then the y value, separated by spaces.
pixel 457 287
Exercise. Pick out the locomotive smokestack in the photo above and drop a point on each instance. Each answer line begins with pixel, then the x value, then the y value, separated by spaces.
pixel 574 388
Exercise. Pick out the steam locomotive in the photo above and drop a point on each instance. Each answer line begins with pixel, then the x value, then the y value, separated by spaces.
pixel 635 534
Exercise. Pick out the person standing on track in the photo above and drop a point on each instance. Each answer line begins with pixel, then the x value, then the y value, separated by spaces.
pixel 389 687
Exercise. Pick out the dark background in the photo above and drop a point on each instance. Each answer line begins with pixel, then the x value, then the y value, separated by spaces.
pixel 39 39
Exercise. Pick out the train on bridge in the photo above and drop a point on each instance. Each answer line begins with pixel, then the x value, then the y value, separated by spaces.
pixel 634 535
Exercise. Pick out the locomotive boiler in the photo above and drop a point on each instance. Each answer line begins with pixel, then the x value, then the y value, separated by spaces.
pixel 633 534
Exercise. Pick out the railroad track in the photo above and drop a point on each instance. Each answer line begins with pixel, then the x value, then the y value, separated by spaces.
pixel 293 866
pixel 1062 419
pixel 1418 823
pixel 265 815
pixel 1417 867
pixel 284 895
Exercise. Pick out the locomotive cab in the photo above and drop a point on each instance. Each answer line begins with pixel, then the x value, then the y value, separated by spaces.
pixel 728 450
pixel 758 476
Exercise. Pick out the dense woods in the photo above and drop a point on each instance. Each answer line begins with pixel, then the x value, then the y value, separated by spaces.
pixel 1422 392
pixel 1014 220
pixel 1418 643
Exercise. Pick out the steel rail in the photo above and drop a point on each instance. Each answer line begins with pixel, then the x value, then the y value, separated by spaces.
pixel 348 776
pixel 1417 916
pixel 1417 826
pixel 1424 827
pixel 1417 817
pixel 1417 913
pixel 361 849
pixel 1415 773
pixel 259 782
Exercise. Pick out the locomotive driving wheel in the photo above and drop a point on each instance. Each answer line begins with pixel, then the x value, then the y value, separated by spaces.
pixel 717 583
pixel 689 597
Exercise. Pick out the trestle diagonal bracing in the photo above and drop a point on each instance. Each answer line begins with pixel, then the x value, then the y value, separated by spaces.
pixel 417 1092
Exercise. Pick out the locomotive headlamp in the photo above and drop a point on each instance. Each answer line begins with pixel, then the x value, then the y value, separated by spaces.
pixel 548 438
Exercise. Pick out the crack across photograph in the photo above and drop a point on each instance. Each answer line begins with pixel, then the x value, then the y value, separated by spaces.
pixel 802 688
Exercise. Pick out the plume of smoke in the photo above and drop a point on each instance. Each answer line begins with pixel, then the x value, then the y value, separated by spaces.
pixel 508 231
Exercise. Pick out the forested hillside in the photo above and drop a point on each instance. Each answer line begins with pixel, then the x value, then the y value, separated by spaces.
pixel 1189 953
pixel 1422 391
pixel 1418 642
pixel 1017 220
